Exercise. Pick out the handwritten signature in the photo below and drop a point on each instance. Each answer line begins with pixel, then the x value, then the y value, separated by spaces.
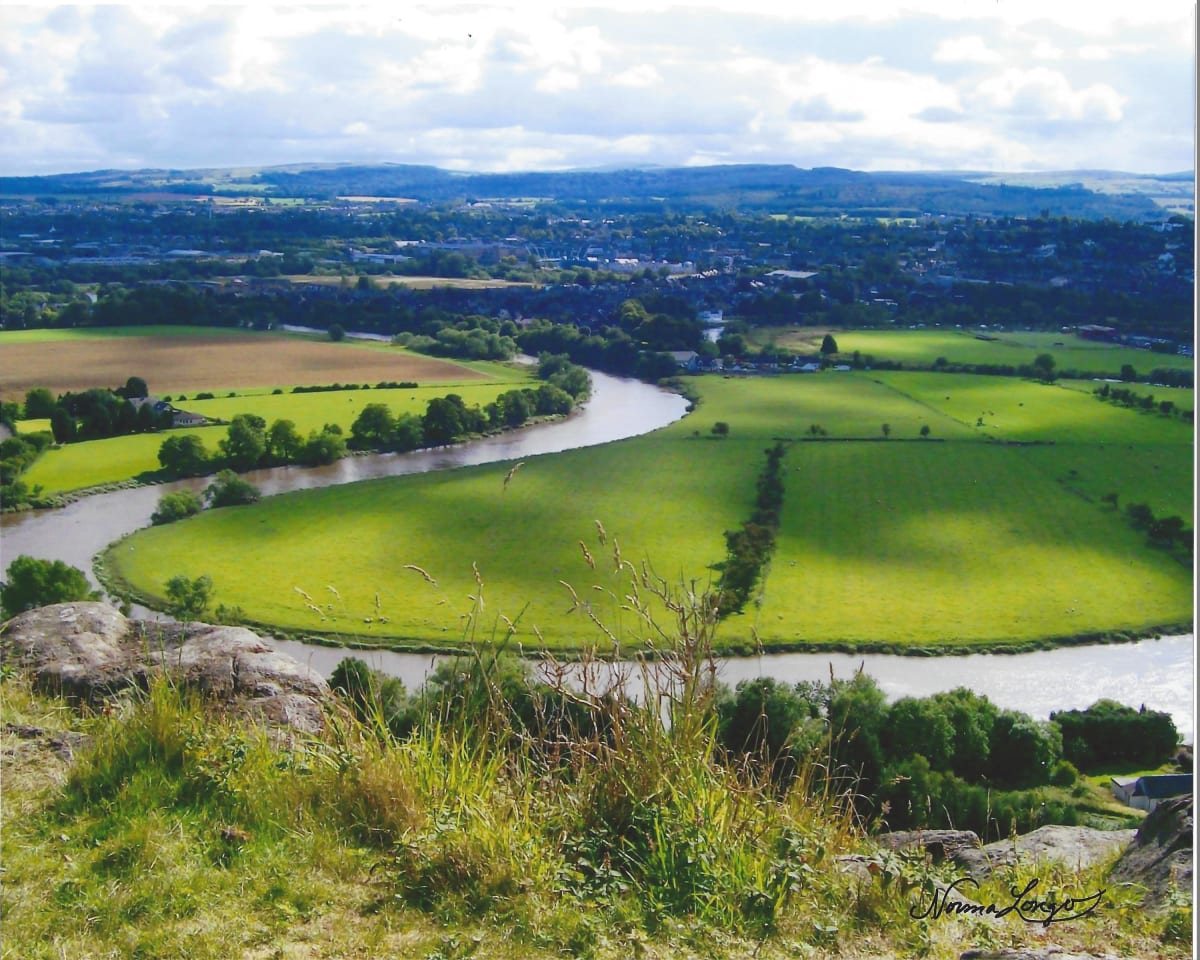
pixel 1025 904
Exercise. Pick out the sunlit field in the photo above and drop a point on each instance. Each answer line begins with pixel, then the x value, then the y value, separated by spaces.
pixel 958 540
pixel 175 360
pixel 922 348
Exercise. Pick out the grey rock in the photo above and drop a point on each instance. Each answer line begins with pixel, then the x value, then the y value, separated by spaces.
pixel 1160 858
pixel 939 844
pixel 91 652
pixel 1076 847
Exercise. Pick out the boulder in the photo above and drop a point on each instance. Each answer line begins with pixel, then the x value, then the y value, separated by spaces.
pixel 939 844
pixel 1160 856
pixel 91 652
pixel 1076 847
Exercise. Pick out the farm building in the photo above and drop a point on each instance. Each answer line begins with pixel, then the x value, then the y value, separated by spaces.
pixel 1145 793
pixel 179 418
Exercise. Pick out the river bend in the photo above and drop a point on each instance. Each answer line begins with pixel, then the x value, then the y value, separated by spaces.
pixel 1158 673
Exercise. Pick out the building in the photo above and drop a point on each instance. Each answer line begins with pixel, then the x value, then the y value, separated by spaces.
pixel 1145 793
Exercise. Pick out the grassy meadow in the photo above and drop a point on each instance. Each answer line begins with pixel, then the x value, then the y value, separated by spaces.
pixel 923 347
pixel 224 363
pixel 960 540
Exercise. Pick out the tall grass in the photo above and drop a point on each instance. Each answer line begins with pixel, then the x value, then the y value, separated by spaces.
pixel 576 822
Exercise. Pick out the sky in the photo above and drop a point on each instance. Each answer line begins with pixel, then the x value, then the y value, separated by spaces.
pixel 1004 85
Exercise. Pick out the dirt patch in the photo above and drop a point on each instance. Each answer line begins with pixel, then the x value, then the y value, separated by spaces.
pixel 209 362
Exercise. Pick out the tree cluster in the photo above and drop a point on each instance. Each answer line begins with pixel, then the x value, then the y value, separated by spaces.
pixel 96 413
pixel 1109 734
pixel 31 582
pixel 248 444
pixel 468 339
pixel 17 454
pixel 949 760
pixel 1133 400
pixel 1168 532
pixel 749 548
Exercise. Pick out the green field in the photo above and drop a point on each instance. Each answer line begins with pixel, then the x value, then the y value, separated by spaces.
pixel 923 347
pixel 46 335
pixel 962 542
pixel 76 466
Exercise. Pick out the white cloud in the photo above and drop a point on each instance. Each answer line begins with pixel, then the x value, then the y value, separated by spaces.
pixel 970 49
pixel 1047 94
pixel 641 76
pixel 1045 50
pixel 517 84
pixel 556 80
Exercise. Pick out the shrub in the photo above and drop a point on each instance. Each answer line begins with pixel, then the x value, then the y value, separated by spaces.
pixel 229 490
pixel 188 599
pixel 176 506
pixel 1064 774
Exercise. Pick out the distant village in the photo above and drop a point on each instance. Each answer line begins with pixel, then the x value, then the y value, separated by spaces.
pixel 1128 283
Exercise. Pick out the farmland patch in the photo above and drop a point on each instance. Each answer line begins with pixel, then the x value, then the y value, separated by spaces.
pixel 207 360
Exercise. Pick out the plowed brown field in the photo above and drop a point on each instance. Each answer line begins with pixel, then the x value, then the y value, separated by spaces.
pixel 209 362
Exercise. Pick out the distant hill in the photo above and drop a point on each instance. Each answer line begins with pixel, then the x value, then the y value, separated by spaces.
pixel 773 188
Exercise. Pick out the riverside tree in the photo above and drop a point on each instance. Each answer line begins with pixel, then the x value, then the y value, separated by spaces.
pixel 184 456
pixel 245 444
pixel 34 583
pixel 176 506
pixel 230 490
pixel 187 598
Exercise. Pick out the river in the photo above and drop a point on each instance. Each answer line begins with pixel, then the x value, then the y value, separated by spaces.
pixel 1158 673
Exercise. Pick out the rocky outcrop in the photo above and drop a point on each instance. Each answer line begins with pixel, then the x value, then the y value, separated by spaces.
pixel 91 652
pixel 1161 855
pixel 1077 847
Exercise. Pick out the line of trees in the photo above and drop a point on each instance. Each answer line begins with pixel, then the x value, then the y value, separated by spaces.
pixel 249 443
pixel 1131 399
pixel 1169 532
pixel 448 419
pixel 952 759
pixel 749 548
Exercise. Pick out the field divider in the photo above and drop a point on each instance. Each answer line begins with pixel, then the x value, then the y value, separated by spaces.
pixel 750 548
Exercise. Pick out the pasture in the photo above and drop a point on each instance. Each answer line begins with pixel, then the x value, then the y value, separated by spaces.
pixel 953 544
pixel 958 543
pixel 187 360
pixel 79 465
pixel 219 362
pixel 921 348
